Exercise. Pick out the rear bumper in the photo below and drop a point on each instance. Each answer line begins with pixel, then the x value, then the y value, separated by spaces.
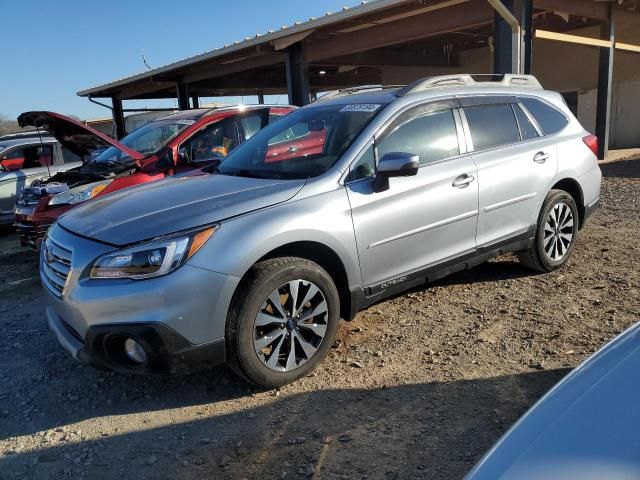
pixel 167 351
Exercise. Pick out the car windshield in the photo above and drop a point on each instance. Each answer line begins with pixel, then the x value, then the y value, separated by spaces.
pixel 146 140
pixel 303 144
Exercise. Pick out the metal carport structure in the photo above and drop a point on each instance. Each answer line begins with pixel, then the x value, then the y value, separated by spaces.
pixel 373 41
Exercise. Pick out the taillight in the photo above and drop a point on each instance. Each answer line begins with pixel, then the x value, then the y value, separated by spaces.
pixel 591 141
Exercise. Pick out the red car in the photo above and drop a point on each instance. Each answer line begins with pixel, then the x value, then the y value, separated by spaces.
pixel 176 143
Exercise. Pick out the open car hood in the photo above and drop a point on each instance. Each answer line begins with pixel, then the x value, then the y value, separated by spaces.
pixel 76 136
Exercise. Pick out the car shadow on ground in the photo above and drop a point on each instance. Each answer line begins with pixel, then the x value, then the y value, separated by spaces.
pixel 628 168
pixel 348 431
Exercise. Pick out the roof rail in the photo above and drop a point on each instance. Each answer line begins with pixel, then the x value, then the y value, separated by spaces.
pixel 466 80
pixel 351 90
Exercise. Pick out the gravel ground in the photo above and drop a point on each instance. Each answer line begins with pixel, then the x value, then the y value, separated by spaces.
pixel 419 386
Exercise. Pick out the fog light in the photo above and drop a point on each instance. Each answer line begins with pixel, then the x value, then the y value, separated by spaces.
pixel 134 351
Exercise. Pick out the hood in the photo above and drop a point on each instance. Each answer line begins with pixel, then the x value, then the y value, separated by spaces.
pixel 586 427
pixel 172 205
pixel 76 136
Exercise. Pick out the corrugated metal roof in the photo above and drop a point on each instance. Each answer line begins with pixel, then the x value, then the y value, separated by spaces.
pixel 346 13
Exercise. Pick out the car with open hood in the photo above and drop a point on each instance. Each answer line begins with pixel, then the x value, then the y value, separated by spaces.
pixel 254 260
pixel 173 144
pixel 25 157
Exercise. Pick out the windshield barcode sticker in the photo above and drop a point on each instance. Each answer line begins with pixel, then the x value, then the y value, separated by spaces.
pixel 361 107
pixel 185 122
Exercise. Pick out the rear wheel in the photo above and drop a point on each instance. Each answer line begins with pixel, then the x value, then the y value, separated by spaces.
pixel 282 321
pixel 555 234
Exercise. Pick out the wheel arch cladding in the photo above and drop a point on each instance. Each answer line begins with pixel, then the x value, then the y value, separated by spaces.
pixel 572 187
pixel 323 256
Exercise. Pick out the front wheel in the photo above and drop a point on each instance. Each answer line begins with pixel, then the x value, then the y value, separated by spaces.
pixel 282 321
pixel 556 233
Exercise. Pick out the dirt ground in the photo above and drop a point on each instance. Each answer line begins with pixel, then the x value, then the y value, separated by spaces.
pixel 419 386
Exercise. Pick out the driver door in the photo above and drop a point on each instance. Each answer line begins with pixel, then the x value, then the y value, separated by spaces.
pixel 213 142
pixel 419 221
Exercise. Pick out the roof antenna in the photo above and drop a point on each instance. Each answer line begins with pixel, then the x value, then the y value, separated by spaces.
pixel 144 60
pixel 42 147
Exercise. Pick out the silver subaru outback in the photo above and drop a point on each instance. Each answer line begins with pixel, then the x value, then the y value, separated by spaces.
pixel 338 205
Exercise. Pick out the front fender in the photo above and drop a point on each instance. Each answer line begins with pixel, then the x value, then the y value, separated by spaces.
pixel 242 241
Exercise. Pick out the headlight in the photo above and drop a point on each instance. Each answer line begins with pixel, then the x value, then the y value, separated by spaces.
pixel 79 194
pixel 152 259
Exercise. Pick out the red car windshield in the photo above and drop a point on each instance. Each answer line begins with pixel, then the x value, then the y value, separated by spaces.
pixel 147 139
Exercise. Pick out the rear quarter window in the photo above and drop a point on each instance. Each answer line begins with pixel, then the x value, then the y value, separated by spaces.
pixel 549 119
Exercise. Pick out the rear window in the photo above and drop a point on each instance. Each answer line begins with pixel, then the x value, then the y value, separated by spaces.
pixel 549 119
pixel 492 126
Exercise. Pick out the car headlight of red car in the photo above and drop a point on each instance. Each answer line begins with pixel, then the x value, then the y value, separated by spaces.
pixel 152 259
pixel 79 194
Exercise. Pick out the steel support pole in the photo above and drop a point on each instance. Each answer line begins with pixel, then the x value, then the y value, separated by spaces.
pixel 525 15
pixel 510 49
pixel 260 97
pixel 118 118
pixel 195 101
pixel 605 83
pixel 183 97
pixel 297 75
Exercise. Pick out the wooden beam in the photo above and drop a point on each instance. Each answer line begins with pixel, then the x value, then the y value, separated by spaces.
pixel 579 8
pixel 393 58
pixel 456 17
pixel 148 87
pixel 628 47
pixel 563 37
pixel 214 70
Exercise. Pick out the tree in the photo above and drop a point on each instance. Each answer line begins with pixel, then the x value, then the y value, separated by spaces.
pixel 8 126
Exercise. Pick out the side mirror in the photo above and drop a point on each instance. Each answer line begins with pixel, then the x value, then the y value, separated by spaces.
pixel 395 164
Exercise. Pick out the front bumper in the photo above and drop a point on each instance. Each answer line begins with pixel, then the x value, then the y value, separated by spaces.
pixel 167 351
pixel 30 226
pixel 178 317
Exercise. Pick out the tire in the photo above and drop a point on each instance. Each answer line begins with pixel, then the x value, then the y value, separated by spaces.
pixel 553 243
pixel 260 332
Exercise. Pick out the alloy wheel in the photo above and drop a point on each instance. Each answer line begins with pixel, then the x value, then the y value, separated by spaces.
pixel 559 230
pixel 290 325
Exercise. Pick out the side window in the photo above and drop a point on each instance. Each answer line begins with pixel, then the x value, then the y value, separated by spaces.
pixel 251 125
pixel 364 167
pixel 69 157
pixel 44 156
pixel 431 135
pixel 214 142
pixel 14 160
pixel 492 126
pixel 549 119
pixel 527 130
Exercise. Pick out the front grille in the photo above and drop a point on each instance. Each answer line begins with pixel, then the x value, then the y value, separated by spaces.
pixel 56 265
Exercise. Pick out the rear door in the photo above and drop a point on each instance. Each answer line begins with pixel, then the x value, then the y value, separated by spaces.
pixel 515 166
pixel 423 220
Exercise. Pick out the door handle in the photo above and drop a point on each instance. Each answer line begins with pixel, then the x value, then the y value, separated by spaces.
pixel 292 149
pixel 463 181
pixel 541 157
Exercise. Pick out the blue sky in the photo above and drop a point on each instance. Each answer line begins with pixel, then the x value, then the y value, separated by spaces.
pixel 52 49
